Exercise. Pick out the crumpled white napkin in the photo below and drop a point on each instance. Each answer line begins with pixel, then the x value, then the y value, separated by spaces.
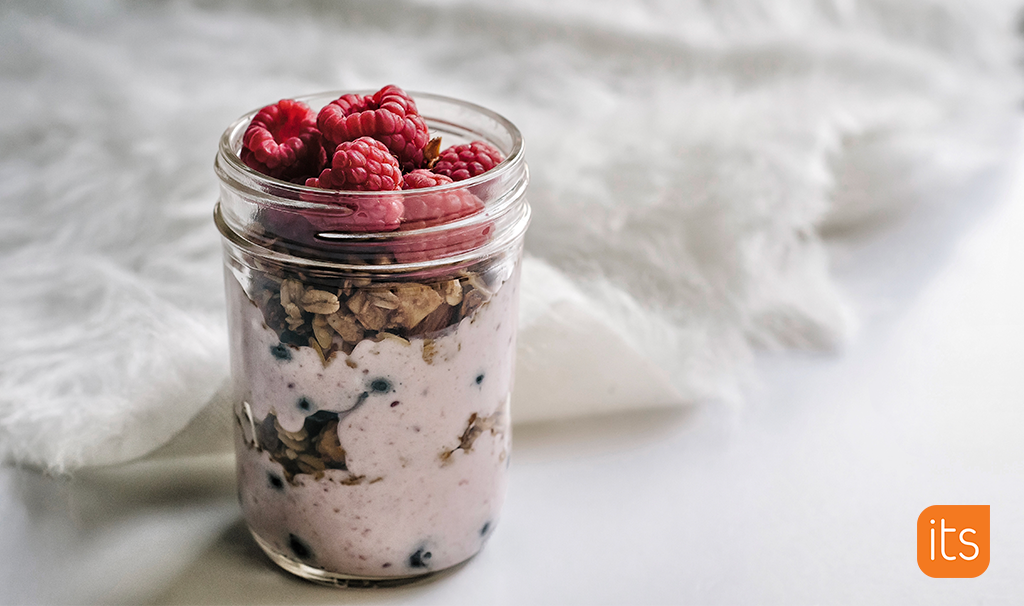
pixel 685 159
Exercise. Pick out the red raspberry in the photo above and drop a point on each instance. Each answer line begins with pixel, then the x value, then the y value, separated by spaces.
pixel 390 116
pixel 439 245
pixel 467 160
pixel 373 213
pixel 432 208
pixel 422 177
pixel 361 165
pixel 282 141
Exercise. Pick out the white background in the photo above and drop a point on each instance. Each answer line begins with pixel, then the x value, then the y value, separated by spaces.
pixel 807 493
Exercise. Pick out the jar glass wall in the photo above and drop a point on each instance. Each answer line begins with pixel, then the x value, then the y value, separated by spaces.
pixel 372 371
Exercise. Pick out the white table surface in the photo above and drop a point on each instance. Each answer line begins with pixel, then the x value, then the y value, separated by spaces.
pixel 807 493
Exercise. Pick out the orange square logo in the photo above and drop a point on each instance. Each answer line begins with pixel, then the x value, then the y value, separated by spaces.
pixel 953 541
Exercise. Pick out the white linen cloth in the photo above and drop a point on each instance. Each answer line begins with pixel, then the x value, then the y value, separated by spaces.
pixel 687 159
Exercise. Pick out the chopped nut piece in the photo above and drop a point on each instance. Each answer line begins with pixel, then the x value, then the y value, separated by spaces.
pixel 322 331
pixel 429 351
pixel 324 356
pixel 384 299
pixel 315 462
pixel 432 151
pixel 291 292
pixel 475 427
pixel 295 445
pixel 370 316
pixel 452 292
pixel 353 480
pixel 473 300
pixel 346 326
pixel 374 318
pixel 393 337
pixel 319 302
pixel 293 311
pixel 357 302
pixel 436 320
pixel 305 467
pixel 329 446
pixel 416 302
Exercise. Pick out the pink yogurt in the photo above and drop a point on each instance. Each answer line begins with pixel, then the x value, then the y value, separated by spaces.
pixel 426 442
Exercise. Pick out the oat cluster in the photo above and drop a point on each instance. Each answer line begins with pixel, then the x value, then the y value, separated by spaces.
pixel 335 316
pixel 312 449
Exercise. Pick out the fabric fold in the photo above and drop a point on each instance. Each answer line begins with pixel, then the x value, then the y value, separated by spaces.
pixel 687 160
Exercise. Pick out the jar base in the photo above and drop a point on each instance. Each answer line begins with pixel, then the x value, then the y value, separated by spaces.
pixel 334 579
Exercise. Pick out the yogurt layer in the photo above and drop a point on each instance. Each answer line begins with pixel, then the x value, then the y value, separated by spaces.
pixel 389 461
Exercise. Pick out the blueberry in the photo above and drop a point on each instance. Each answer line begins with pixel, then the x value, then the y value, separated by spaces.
pixel 483 531
pixel 304 404
pixel 480 378
pixel 275 481
pixel 419 559
pixel 380 386
pixel 299 547
pixel 281 352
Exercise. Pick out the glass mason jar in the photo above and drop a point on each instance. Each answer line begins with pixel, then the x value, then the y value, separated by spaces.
pixel 372 371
